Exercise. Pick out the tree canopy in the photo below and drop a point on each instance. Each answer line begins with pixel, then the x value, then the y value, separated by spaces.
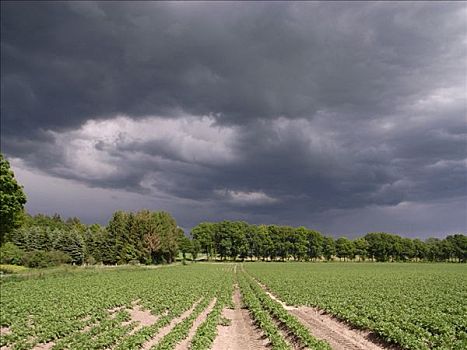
pixel 12 199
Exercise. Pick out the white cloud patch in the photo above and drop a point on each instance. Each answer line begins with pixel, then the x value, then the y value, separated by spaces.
pixel 97 149
pixel 246 198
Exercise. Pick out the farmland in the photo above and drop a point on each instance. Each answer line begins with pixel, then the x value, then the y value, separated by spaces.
pixel 234 306
pixel 418 306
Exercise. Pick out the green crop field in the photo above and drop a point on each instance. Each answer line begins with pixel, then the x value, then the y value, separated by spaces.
pixel 416 306
pixel 61 307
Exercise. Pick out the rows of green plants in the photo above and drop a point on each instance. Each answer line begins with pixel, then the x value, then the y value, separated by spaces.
pixel 417 306
pixel 207 331
pixel 261 317
pixel 180 331
pixel 286 319
pixel 71 310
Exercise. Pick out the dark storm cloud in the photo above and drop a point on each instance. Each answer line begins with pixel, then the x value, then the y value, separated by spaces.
pixel 311 106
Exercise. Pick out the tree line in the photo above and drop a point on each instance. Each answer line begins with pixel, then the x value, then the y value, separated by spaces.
pixel 147 237
pixel 153 237
pixel 240 240
pixel 144 237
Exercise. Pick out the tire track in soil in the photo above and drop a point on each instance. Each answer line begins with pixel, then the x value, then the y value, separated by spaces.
pixel 242 333
pixel 338 334
pixel 167 329
pixel 185 343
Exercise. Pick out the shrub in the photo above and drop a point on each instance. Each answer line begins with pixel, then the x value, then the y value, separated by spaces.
pixel 10 269
pixel 41 259
pixel 10 254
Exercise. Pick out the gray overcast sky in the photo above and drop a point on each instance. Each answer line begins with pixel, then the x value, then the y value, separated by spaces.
pixel 343 117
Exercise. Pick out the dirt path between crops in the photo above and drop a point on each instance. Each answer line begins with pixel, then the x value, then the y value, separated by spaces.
pixel 185 343
pixel 166 330
pixel 338 334
pixel 242 333
pixel 141 316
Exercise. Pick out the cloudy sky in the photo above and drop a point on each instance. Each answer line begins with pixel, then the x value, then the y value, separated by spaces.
pixel 343 117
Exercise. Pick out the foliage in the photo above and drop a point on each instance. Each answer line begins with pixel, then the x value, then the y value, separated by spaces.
pixel 12 200
pixel 10 254
pixel 261 317
pixel 11 269
pixel 418 306
pixel 74 314
pixel 42 259
pixel 238 240
pixel 287 320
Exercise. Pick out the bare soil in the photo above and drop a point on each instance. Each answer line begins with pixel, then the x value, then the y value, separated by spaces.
pixel 338 334
pixel 185 344
pixel 141 316
pixel 242 333
pixel 5 330
pixel 45 346
pixel 166 330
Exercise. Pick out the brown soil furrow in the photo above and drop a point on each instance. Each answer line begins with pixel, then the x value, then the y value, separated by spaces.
pixel 166 330
pixel 185 343
pixel 242 333
pixel 141 316
pixel 4 331
pixel 338 334
pixel 45 346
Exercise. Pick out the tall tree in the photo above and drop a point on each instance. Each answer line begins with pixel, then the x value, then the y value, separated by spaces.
pixel 361 248
pixel 459 246
pixel 203 233
pixel 314 244
pixel 299 240
pixel 329 248
pixel 12 200
pixel 184 243
pixel 116 238
pixel 345 248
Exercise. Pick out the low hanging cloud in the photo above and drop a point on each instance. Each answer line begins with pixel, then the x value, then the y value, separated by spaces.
pixel 245 198
pixel 273 112
pixel 124 152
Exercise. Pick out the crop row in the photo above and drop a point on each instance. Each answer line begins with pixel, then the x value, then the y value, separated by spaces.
pixel 417 306
pixel 207 331
pixel 71 311
pixel 261 316
pixel 286 319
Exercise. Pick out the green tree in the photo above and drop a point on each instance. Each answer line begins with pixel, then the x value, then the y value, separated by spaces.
pixel 459 246
pixel 11 254
pixel 203 233
pixel 379 245
pixel 224 231
pixel 93 241
pixel 361 248
pixel 299 241
pixel 345 248
pixel 329 248
pixel 314 244
pixel 239 240
pixel 265 244
pixel 195 249
pixel 434 249
pixel 420 249
pixel 184 243
pixel 12 200
pixel 71 242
